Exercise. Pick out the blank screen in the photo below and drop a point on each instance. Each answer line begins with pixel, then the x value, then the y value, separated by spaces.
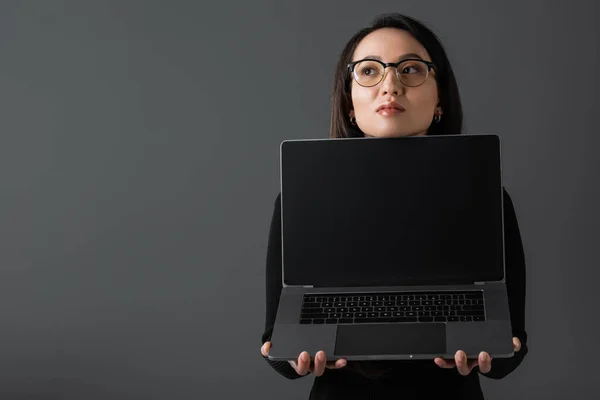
pixel 392 211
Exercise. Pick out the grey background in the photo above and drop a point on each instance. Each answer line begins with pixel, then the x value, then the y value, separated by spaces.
pixel 139 165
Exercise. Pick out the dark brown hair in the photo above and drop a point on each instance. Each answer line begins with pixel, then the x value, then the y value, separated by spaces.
pixel 341 101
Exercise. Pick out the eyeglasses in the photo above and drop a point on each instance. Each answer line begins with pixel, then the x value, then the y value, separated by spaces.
pixel 411 72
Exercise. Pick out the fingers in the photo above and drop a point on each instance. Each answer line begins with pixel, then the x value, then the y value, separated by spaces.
pixel 463 365
pixel 444 363
pixel 484 362
pixel 264 350
pixel 335 365
pixel 460 358
pixel 320 361
pixel 516 344
pixel 303 365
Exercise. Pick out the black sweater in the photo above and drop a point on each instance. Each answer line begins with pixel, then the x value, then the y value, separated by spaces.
pixel 408 379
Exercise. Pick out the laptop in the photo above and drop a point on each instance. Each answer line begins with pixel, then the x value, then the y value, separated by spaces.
pixel 392 249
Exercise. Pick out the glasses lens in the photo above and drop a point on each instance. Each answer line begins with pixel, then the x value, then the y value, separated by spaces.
pixel 413 73
pixel 368 73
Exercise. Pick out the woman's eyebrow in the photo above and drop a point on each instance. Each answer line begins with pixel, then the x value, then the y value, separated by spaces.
pixel 407 55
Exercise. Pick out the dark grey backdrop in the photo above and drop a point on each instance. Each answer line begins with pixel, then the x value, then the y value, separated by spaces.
pixel 139 164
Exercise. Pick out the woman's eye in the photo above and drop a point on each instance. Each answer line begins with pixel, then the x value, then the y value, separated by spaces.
pixel 368 71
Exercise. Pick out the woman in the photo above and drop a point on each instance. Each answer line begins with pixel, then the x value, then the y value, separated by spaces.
pixel 399 63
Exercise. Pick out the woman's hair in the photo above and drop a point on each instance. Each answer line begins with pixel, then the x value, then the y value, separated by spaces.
pixel 452 118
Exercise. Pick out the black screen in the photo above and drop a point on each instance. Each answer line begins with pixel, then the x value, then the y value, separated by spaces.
pixel 392 211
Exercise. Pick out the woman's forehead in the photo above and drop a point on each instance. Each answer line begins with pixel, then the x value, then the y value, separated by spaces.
pixel 389 45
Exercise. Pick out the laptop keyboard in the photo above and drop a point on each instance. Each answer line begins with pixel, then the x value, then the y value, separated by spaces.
pixel 344 308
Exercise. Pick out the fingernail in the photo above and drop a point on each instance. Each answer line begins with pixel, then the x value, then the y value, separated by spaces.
pixel 304 357
pixel 343 363
pixel 320 356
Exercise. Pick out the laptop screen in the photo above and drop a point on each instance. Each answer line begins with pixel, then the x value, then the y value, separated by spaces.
pixel 392 211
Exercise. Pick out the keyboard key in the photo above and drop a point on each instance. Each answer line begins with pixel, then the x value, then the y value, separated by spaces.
pixel 318 321
pixel 425 319
pixel 478 318
pixel 305 321
pixel 331 321
pixel 312 310
pixel 452 319
pixel 323 316
pixel 473 307
pixel 311 305
pixel 439 319
pixel 471 313
pixel 474 295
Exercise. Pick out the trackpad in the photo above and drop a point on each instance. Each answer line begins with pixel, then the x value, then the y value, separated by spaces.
pixel 389 339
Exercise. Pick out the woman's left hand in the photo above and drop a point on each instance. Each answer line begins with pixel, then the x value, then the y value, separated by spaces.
pixel 484 361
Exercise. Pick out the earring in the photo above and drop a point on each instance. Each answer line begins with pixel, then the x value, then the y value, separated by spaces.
pixel 353 120
pixel 438 116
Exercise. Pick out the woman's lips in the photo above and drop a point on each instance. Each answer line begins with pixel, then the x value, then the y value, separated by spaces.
pixel 389 111
pixel 390 108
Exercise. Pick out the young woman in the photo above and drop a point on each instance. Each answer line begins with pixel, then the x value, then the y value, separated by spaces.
pixel 394 79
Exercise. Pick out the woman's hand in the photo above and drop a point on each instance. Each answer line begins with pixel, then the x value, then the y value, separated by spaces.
pixel 484 361
pixel 303 366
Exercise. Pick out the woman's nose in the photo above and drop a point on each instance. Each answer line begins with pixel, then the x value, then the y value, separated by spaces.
pixel 391 83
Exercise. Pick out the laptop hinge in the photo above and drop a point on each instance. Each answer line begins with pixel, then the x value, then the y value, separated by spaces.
pixel 479 283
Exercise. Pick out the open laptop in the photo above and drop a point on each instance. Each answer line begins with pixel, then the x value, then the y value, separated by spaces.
pixel 392 248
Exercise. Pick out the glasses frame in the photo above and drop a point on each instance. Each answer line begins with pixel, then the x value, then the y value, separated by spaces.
pixel 353 64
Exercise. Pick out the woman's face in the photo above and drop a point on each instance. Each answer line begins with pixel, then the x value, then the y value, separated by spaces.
pixel 417 105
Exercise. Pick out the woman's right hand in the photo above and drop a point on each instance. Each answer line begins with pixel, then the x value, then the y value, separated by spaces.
pixel 303 365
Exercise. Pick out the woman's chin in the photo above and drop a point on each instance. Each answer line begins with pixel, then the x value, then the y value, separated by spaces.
pixel 393 133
